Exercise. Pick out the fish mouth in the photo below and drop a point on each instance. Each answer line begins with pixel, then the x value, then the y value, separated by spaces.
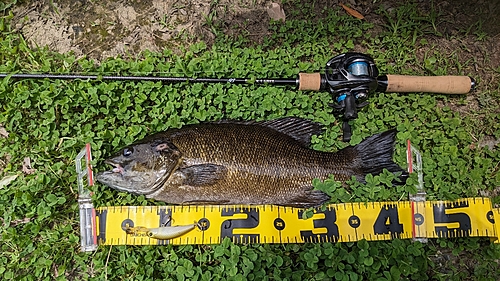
pixel 117 168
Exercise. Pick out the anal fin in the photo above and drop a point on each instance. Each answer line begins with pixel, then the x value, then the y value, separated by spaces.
pixel 311 198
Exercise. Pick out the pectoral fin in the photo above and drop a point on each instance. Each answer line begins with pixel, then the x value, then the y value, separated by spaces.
pixel 202 175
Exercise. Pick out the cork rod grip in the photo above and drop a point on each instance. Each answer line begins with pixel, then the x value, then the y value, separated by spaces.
pixel 429 84
pixel 309 81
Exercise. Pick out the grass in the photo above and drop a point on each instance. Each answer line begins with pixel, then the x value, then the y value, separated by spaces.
pixel 50 121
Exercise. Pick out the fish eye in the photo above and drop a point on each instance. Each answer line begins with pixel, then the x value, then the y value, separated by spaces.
pixel 128 151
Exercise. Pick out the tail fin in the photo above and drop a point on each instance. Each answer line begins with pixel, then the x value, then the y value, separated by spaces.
pixel 374 154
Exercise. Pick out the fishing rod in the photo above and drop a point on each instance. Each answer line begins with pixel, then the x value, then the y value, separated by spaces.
pixel 349 77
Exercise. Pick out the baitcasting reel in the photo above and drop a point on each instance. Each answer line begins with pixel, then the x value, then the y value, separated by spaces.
pixel 350 78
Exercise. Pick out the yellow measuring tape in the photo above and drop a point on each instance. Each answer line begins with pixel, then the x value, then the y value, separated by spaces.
pixel 347 222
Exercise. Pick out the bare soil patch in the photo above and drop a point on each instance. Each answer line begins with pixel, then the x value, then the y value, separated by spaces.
pixel 101 29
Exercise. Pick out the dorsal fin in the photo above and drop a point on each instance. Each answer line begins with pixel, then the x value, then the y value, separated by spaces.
pixel 299 129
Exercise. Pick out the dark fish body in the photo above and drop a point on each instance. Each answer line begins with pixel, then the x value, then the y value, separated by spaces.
pixel 242 163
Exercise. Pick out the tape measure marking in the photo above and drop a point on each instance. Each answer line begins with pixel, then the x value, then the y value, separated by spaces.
pixel 346 222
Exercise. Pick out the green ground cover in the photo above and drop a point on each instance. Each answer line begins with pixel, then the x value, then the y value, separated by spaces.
pixel 49 121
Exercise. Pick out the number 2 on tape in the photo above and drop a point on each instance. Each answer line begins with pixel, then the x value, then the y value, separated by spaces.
pixel 229 225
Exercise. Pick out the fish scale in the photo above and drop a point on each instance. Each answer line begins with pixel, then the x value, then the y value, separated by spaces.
pixel 274 168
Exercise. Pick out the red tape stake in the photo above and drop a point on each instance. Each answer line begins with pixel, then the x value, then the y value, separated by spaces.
pixel 88 222
pixel 91 183
pixel 88 156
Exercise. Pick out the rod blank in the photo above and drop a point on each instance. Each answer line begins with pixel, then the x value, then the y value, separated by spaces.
pixel 280 81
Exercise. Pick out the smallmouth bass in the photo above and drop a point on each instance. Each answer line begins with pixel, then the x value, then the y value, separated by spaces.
pixel 228 162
